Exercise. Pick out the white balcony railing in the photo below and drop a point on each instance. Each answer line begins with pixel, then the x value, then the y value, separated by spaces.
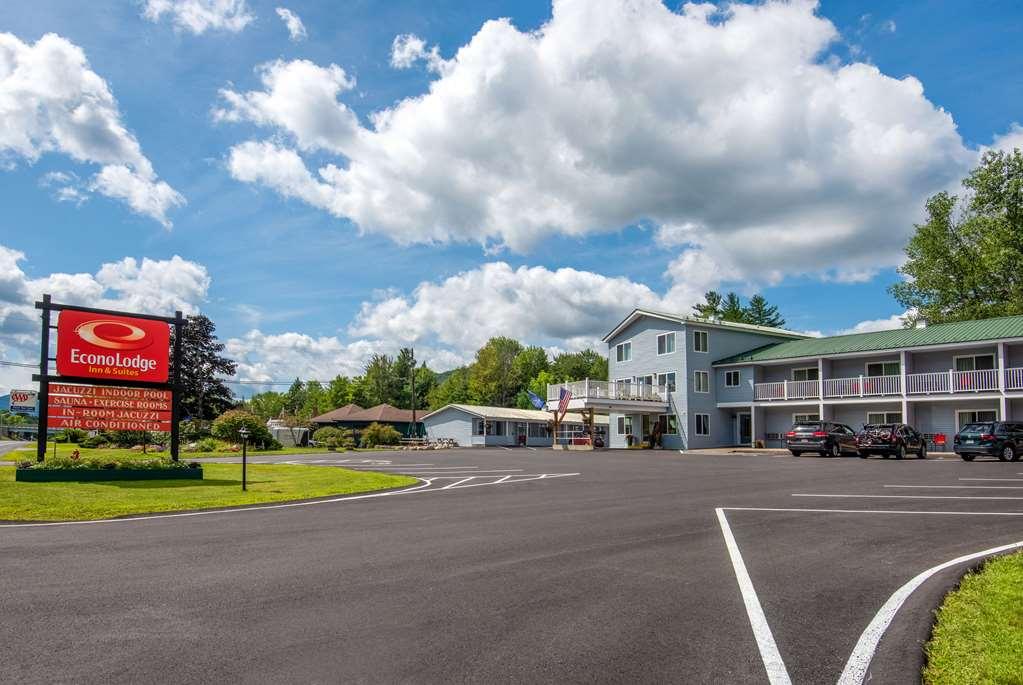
pixel 804 390
pixel 769 391
pixel 941 382
pixel 928 383
pixel 862 386
pixel 604 390
pixel 975 381
pixel 1014 379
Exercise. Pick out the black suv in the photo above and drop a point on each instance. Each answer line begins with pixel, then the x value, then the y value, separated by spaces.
pixel 1002 439
pixel 823 437
pixel 891 439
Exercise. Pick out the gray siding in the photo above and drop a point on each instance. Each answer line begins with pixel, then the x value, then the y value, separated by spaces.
pixel 743 393
pixel 853 368
pixel 450 424
pixel 929 362
pixel 1014 356
pixel 855 415
pixel 940 417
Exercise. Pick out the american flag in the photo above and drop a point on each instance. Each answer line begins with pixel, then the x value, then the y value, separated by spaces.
pixel 563 399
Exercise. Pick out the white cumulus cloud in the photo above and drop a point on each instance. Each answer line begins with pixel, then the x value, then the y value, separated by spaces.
pixel 733 121
pixel 199 16
pixel 51 101
pixel 296 29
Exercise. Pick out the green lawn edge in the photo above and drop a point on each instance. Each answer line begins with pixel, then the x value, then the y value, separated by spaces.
pixel 220 487
pixel 116 453
pixel 978 632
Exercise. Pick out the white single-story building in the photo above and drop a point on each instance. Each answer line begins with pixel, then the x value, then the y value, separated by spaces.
pixel 475 426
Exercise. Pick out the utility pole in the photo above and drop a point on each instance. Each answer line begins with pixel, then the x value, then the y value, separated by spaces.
pixel 415 431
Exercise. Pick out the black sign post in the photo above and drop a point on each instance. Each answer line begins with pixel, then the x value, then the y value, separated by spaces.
pixel 44 377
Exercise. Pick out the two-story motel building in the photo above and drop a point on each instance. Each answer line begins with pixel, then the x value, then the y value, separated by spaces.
pixel 707 383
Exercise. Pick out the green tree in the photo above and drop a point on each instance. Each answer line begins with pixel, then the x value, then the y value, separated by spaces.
pixel 426 381
pixel 266 405
pixel 760 313
pixel 380 380
pixel 964 261
pixel 228 426
pixel 203 392
pixel 294 399
pixel 538 385
pixel 529 362
pixel 453 390
pixel 710 308
pixel 492 378
pixel 316 402
pixel 576 366
pixel 732 309
pixel 339 392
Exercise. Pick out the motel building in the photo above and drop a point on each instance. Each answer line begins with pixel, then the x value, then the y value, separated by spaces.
pixel 470 425
pixel 698 383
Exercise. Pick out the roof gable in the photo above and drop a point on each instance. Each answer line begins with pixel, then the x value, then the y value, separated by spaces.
pixel 710 323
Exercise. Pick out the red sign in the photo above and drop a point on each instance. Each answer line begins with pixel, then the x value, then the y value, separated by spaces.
pixel 102 391
pixel 59 401
pixel 104 414
pixel 108 424
pixel 106 346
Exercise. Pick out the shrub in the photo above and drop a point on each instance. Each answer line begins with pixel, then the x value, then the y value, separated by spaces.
pixel 129 438
pixel 322 435
pixel 273 444
pixel 70 435
pixel 193 430
pixel 380 434
pixel 206 445
pixel 93 442
pixel 227 427
pixel 331 442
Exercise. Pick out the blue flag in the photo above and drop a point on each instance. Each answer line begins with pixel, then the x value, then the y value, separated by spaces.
pixel 535 399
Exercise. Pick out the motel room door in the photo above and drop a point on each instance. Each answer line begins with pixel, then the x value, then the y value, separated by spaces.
pixel 744 429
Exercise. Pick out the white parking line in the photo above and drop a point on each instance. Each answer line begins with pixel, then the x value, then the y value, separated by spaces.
pixel 1011 480
pixel 856 667
pixel 457 482
pixel 878 511
pixel 962 487
pixel 804 494
pixel 776 671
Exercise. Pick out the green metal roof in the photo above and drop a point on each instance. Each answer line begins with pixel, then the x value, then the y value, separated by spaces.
pixel 938 334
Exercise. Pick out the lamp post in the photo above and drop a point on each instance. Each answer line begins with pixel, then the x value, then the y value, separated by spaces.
pixel 244 432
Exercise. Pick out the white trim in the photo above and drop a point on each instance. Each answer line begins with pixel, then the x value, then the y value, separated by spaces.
pixel 674 343
pixel 705 333
pixel 738 376
pixel 667 418
pixel 617 345
pixel 866 367
pixel 696 385
pixel 800 413
pixel 726 325
pixel 961 411
pixel 738 426
pixel 957 357
pixel 696 425
pixel 620 424
pixel 805 368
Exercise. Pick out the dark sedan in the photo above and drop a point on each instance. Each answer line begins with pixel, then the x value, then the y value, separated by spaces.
pixel 1002 439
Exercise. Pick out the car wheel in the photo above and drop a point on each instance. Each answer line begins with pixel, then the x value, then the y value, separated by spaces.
pixel 901 452
pixel 836 450
pixel 796 453
pixel 922 454
pixel 967 457
pixel 1007 454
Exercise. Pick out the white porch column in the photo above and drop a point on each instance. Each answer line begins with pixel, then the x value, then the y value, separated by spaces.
pixel 903 372
pixel 752 426
pixel 1003 402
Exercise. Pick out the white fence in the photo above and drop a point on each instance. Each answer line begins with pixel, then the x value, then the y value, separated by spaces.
pixel 1014 379
pixel 604 390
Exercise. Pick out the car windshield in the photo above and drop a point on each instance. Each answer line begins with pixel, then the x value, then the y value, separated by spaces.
pixel 977 428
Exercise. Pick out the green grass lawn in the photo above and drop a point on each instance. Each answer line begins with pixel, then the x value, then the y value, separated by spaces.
pixel 116 453
pixel 221 487
pixel 978 637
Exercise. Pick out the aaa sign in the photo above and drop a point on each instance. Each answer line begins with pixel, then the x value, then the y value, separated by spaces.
pixel 119 347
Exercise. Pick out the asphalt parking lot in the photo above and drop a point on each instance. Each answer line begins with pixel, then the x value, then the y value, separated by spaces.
pixel 520 565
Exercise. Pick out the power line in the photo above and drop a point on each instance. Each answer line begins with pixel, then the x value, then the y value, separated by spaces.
pixel 24 365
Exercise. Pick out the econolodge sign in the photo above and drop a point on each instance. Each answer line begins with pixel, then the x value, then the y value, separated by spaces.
pixel 91 345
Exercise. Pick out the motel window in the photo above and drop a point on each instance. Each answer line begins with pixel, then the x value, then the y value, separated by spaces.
pixel 701 381
pixel 623 352
pixel 703 424
pixel 701 341
pixel 731 379
pixel 624 425
pixel 809 373
pixel 539 430
pixel 666 380
pixel 668 424
pixel 805 418
pixel 874 417
pixel 666 343
pixel 645 380
pixel 883 369
pixel 964 417
pixel 975 362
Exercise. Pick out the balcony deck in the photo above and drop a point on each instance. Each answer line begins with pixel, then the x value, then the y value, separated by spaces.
pixel 935 383
pixel 605 396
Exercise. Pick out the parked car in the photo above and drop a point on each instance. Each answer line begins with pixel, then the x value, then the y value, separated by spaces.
pixel 824 437
pixel 891 440
pixel 1002 439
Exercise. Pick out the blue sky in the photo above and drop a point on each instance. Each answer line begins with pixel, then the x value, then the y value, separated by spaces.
pixel 323 294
